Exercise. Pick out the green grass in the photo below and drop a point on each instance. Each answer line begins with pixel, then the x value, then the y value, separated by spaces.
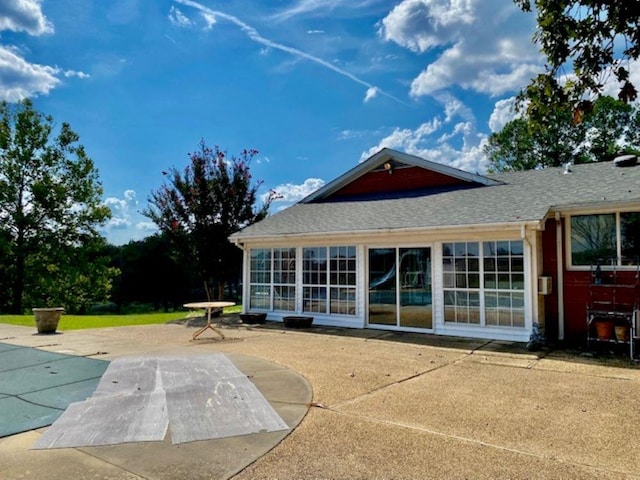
pixel 79 322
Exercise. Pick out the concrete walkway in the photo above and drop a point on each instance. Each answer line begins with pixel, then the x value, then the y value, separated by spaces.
pixel 384 405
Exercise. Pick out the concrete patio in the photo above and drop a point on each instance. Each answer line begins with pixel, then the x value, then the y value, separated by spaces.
pixel 383 405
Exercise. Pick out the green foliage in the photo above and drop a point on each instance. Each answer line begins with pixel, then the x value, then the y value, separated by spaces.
pixel 603 130
pixel 50 205
pixel 150 274
pixel 199 207
pixel 595 38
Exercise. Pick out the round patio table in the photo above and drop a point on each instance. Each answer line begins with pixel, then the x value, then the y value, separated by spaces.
pixel 208 307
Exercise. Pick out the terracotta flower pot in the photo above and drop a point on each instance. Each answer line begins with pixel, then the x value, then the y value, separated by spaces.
pixel 622 333
pixel 47 319
pixel 604 329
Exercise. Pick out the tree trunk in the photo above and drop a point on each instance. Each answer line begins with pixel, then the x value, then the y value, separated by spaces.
pixel 18 282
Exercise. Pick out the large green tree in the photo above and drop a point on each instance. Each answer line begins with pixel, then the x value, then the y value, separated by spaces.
pixel 609 127
pixel 50 207
pixel 587 44
pixel 200 206
pixel 150 274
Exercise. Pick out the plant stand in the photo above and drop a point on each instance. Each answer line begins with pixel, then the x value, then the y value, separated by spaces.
pixel 47 319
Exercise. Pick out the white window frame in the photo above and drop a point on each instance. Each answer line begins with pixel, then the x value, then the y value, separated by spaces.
pixel 328 285
pixel 482 290
pixel 272 284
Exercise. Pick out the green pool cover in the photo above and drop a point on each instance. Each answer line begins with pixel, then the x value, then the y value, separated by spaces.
pixel 36 386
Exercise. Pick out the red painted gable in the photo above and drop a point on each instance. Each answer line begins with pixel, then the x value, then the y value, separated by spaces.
pixel 399 180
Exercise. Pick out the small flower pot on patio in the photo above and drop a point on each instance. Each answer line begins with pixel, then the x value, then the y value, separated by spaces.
pixel 47 319
pixel 252 318
pixel 297 321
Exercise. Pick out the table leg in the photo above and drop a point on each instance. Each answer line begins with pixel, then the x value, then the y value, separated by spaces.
pixel 208 325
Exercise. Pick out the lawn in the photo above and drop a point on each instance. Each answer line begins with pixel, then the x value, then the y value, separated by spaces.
pixel 78 322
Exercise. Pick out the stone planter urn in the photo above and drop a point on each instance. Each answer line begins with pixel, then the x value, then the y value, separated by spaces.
pixel 47 319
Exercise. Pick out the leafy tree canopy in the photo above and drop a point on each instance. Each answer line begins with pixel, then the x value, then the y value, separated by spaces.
pixel 596 39
pixel 608 128
pixel 200 206
pixel 50 207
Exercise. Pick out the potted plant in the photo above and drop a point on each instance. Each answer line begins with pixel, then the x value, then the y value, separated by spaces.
pixel 297 321
pixel 47 319
pixel 253 318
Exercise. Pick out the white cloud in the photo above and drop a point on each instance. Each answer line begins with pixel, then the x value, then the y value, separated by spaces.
pixel 20 79
pixel 130 196
pixel 319 7
pixel 405 139
pixel 179 19
pixel 477 46
pixel 24 16
pixel 503 112
pixel 291 193
pixel 612 86
pixel 304 7
pixel 126 223
pixel 420 25
pixel 147 227
pixel 253 35
pixel 372 92
pixel 459 145
pixel 209 19
pixel 122 210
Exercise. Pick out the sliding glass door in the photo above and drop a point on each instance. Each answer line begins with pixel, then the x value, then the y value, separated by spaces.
pixel 400 287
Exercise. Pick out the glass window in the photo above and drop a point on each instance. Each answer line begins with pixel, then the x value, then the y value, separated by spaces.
pixel 329 280
pixel 630 237
pixel 272 278
pixel 607 239
pixel 593 238
pixel 499 285
pixel 461 278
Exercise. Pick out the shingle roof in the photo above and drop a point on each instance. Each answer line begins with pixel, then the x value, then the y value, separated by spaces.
pixel 527 196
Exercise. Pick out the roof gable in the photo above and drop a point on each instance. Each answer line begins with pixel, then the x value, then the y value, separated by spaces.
pixel 392 173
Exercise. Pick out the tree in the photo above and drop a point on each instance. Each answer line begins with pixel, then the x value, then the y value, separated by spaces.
pixel 50 203
pixel 201 206
pixel 597 38
pixel 605 130
pixel 150 274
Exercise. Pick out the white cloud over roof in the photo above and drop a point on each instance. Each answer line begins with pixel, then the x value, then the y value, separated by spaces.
pixel 477 46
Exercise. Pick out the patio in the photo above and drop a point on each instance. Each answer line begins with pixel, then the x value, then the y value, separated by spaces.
pixel 385 405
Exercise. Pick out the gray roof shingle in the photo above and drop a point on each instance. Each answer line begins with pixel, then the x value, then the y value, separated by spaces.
pixel 522 197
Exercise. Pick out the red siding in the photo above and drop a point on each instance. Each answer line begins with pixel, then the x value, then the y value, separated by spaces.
pixel 550 269
pixel 577 291
pixel 401 179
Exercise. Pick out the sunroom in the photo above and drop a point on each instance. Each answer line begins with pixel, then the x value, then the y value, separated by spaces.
pixel 402 243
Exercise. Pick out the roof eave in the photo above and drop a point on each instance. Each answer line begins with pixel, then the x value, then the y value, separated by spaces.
pixel 385 155
pixel 537 224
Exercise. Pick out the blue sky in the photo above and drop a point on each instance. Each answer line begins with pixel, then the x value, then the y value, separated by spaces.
pixel 315 85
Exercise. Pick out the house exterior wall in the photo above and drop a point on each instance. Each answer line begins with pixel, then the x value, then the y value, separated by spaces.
pixel 550 269
pixel 566 317
pixel 400 179
pixel 434 240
